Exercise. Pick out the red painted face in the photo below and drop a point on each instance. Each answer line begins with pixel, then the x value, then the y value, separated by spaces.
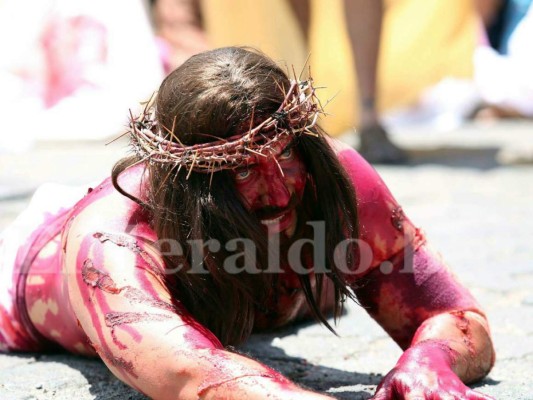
pixel 273 186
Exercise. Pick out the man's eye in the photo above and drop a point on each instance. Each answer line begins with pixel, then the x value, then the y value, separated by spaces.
pixel 243 174
pixel 286 154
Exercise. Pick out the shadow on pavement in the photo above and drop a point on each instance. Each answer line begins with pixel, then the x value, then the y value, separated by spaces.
pixel 102 385
pixel 349 385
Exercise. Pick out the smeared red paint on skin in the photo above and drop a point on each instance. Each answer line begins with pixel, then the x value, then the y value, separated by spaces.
pixel 144 261
pixel 13 337
pixel 137 296
pixel 463 324
pixel 413 296
pixel 224 370
pixel 424 371
pixel 397 218
pixel 96 306
pixel 98 279
pixel 286 301
pixel 382 224
pixel 119 362
pixel 272 187
pixel 198 336
pixel 114 319
pixel 32 262
pixel 124 365
pixel 127 242
pixel 402 300
pixel 86 281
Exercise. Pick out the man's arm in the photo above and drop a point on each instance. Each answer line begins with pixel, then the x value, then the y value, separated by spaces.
pixel 146 338
pixel 435 320
pixel 411 293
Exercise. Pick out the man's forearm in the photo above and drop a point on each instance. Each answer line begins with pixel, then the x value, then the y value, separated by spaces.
pixel 466 335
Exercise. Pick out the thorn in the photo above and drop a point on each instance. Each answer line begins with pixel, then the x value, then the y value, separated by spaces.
pixel 294 74
pixel 279 167
pixel 148 103
pixel 212 173
pixel 311 133
pixel 192 164
pixel 255 152
pixel 303 68
pixel 117 138
pixel 330 99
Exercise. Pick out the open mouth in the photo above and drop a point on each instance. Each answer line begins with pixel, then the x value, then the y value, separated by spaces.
pixel 281 223
pixel 277 219
pixel 272 221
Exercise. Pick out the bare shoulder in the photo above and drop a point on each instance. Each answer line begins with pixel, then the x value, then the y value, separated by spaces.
pixel 105 216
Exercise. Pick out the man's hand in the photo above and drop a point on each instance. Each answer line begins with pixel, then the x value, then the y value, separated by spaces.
pixel 424 371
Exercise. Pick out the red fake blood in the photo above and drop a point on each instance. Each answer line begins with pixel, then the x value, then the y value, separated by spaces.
pixel 463 324
pixel 119 362
pixel 412 293
pixel 199 336
pixel 128 243
pixel 224 369
pixel 135 295
pixel 98 279
pixel 114 319
pixel 397 218
pixel 92 277
pixel 144 261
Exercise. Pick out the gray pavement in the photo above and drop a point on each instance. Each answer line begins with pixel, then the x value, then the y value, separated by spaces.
pixel 471 190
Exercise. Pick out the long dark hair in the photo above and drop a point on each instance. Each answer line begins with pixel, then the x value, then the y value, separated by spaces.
pixel 215 93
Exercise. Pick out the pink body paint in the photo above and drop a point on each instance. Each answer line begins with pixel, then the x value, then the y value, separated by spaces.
pixel 463 324
pixel 96 278
pixel 130 244
pixel 40 295
pixel 382 223
pixel 412 294
pixel 224 370
pixel 118 362
pixel 114 319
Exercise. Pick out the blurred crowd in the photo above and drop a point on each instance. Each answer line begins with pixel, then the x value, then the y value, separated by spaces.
pixel 70 70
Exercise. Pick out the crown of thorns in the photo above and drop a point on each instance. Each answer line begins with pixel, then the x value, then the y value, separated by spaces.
pixel 296 115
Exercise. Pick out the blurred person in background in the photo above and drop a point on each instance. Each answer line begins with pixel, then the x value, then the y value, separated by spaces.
pixel 70 68
pixel 363 20
pixel 503 64
pixel 496 83
pixel 179 23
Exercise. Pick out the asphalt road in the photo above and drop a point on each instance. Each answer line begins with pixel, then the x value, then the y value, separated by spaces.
pixel 471 190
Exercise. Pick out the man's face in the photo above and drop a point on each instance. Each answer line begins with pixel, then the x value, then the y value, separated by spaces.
pixel 273 186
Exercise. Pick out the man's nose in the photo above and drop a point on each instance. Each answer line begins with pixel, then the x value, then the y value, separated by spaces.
pixel 276 193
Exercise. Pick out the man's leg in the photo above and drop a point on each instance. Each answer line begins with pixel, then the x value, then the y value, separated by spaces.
pixel 363 18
